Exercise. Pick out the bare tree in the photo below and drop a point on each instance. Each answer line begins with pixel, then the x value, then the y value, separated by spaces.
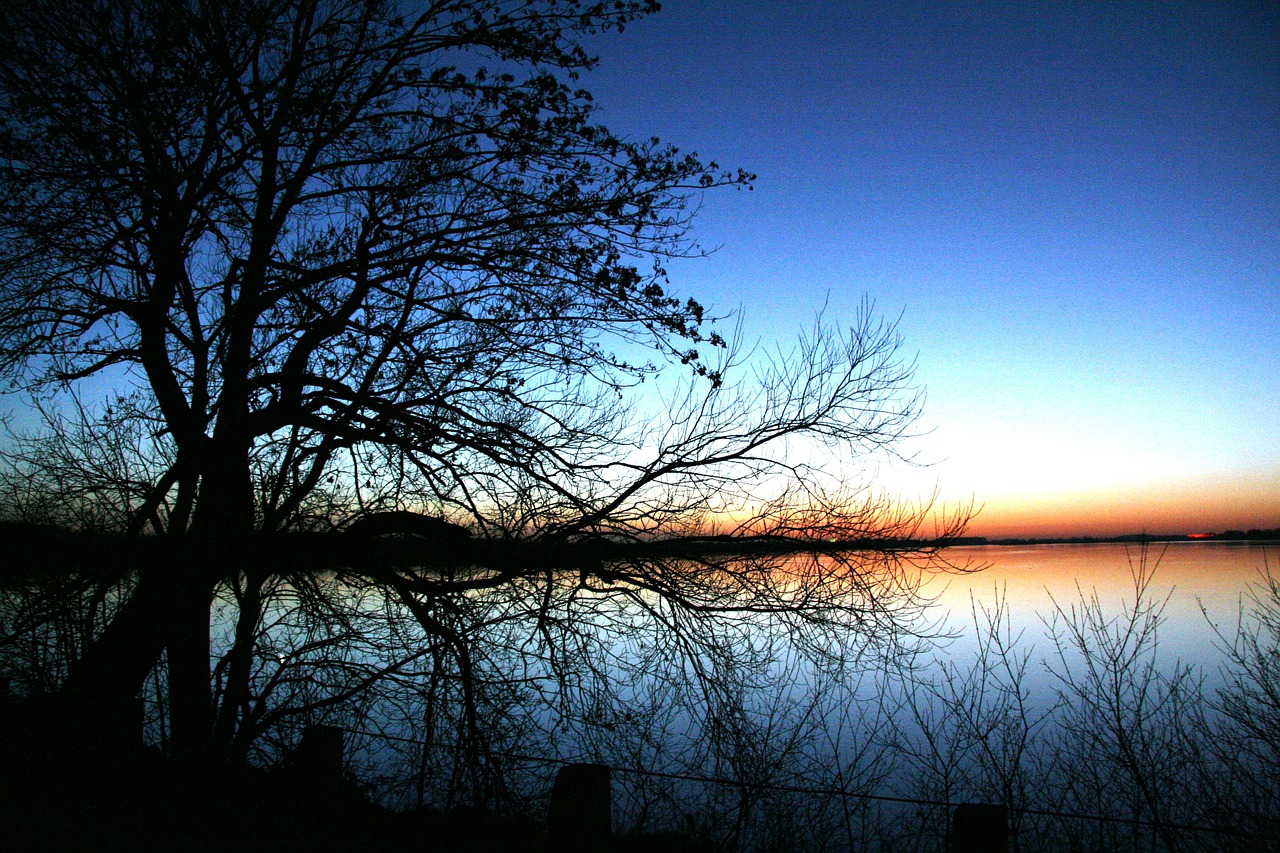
pixel 972 731
pixel 1245 742
pixel 360 256
pixel 1130 722
pixel 88 466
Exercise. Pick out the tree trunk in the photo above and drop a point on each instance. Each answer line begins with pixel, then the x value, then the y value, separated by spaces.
pixel 187 643
pixel 105 682
pixel 169 610
pixel 116 664
pixel 221 526
pixel 236 694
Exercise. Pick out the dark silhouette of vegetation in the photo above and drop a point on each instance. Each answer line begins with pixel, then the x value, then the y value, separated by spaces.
pixel 369 266
pixel 1252 535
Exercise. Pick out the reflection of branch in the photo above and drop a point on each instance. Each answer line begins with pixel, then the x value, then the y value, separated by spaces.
pixel 265 720
pixel 471 564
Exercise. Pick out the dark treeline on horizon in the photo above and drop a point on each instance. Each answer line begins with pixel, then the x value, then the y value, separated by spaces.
pixel 1252 535
pixel 52 549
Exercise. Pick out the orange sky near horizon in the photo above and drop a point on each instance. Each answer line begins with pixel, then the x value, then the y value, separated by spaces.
pixel 1206 504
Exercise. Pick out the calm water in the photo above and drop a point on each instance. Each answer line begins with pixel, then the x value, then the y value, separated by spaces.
pixel 870 737
pixel 1202 581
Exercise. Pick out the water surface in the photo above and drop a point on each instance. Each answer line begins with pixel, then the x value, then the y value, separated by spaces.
pixel 1203 582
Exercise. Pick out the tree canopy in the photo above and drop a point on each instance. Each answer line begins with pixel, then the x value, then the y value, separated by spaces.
pixel 310 227
pixel 349 256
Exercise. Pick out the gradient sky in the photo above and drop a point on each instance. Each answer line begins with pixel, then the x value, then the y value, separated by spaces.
pixel 1075 206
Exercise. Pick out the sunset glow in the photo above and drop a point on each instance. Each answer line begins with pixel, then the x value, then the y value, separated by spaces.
pixel 1076 209
pixel 1231 503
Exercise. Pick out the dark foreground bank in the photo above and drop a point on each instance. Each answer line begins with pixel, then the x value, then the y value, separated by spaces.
pixel 62 788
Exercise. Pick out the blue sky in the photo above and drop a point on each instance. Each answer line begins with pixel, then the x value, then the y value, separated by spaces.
pixel 1076 207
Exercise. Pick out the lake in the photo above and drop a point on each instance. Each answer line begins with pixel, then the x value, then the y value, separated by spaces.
pixel 790 729
pixel 1192 575
pixel 1140 747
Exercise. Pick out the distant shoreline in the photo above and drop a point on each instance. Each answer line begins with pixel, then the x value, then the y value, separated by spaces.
pixel 1268 535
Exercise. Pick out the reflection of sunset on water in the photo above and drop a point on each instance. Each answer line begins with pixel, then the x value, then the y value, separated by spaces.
pixel 1192 574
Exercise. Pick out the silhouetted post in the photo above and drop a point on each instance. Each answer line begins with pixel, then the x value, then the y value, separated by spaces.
pixel 318 760
pixel 979 828
pixel 581 813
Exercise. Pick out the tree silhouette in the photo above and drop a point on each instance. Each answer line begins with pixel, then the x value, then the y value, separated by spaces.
pixel 354 256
